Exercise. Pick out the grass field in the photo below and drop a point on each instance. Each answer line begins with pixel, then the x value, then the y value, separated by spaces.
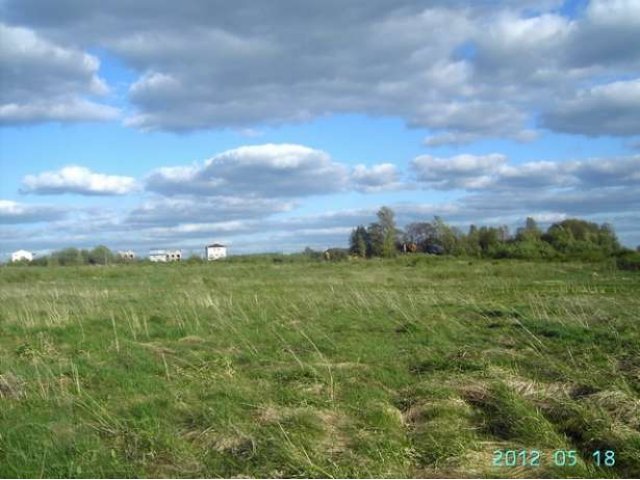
pixel 411 367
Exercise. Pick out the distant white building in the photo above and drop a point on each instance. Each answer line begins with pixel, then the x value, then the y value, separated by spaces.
pixel 215 251
pixel 127 255
pixel 21 255
pixel 159 255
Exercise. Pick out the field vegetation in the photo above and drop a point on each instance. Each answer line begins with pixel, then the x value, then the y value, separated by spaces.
pixel 270 366
pixel 571 239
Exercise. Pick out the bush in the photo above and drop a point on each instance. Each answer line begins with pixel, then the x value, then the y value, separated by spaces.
pixel 628 260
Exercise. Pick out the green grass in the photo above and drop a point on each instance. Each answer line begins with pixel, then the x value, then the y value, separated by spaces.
pixel 415 367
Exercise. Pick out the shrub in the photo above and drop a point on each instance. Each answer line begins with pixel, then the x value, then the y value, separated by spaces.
pixel 628 260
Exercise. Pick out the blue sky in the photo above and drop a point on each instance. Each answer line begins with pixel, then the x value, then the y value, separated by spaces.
pixel 162 125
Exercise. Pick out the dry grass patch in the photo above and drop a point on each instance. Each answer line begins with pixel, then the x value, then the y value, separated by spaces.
pixel 191 340
pixel 333 439
pixel 12 386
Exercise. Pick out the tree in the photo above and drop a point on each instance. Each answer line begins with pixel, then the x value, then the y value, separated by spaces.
pixel 503 234
pixel 386 220
pixel 420 233
pixel 358 241
pixel 607 239
pixel 581 239
pixel 382 234
pixel 446 236
pixel 100 255
pixel 530 232
pixel 472 242
pixel 68 256
pixel 375 234
pixel 488 238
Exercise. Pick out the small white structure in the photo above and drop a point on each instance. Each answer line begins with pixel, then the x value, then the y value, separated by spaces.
pixel 21 255
pixel 159 255
pixel 215 251
pixel 127 255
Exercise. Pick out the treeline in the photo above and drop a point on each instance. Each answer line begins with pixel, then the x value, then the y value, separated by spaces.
pixel 100 255
pixel 71 256
pixel 566 240
pixel 571 239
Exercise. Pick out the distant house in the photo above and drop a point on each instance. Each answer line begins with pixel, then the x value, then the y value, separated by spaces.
pixel 215 251
pixel 160 255
pixel 127 255
pixel 21 255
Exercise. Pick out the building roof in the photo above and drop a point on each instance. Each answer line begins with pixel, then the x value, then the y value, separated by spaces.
pixel 216 245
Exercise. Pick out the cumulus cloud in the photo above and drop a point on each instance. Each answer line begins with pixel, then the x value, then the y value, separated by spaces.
pixel 175 211
pixel 610 109
pixel 272 171
pixel 79 180
pixel 13 213
pixel 42 81
pixel 462 171
pixel 515 48
pixel 464 70
pixel 492 172
pixel 269 170
pixel 376 178
pixel 575 202
pixel 608 35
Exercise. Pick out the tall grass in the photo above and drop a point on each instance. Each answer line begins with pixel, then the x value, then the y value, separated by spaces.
pixel 403 368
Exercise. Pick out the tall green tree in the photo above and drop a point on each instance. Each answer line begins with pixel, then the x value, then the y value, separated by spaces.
pixel 472 242
pixel 488 239
pixel 68 256
pixel 386 220
pixel 530 232
pixel 581 239
pixel 447 236
pixel 375 234
pixel 100 255
pixel 358 241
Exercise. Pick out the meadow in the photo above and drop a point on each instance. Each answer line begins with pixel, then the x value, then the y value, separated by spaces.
pixel 411 367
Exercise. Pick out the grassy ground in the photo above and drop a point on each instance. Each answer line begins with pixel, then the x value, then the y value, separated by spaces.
pixel 408 368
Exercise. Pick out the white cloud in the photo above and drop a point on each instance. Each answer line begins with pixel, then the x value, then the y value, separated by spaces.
pixel 607 37
pixel 250 132
pixel 461 171
pixel 42 81
pixel 174 211
pixel 77 179
pixel 464 70
pixel 13 213
pixel 513 48
pixel 595 189
pixel 493 173
pixel 609 109
pixel 269 170
pixel 62 110
pixel 377 178
pixel 467 121
pixel 614 12
pixel 465 138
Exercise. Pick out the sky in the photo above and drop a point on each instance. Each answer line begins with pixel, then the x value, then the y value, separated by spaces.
pixel 273 126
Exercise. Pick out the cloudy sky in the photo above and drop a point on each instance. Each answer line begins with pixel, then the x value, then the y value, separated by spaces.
pixel 272 126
